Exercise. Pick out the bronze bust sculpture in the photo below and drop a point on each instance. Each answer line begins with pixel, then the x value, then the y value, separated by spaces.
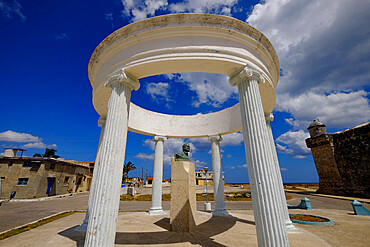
pixel 184 154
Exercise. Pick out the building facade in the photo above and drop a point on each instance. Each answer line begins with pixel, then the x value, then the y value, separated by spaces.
pixel 34 177
pixel 200 177
pixel 342 159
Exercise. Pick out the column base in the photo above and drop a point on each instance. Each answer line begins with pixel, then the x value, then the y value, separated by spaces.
pixel 220 212
pixel 81 228
pixel 290 227
pixel 156 211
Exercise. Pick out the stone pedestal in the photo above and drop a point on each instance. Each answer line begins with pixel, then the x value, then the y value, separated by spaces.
pixel 183 197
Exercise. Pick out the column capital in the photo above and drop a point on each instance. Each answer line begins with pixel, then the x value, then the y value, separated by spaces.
pixel 269 117
pixel 101 121
pixel 121 76
pixel 246 73
pixel 214 138
pixel 159 138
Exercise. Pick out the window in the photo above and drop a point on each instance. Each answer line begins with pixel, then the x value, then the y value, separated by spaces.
pixel 2 178
pixel 22 181
pixel 11 163
pixel 27 164
pixel 52 166
pixel 66 181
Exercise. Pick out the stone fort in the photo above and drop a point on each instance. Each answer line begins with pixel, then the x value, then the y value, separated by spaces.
pixel 342 159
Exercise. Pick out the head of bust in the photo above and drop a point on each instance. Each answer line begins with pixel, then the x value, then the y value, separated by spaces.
pixel 186 148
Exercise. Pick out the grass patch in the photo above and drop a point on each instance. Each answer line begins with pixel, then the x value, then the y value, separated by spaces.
pixel 34 225
pixel 309 218
pixel 229 196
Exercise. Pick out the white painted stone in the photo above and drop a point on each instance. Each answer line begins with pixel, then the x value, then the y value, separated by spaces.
pixel 83 227
pixel 279 187
pixel 184 126
pixel 175 44
pixel 184 43
pixel 218 185
pixel 183 196
pixel 101 230
pixel 270 225
pixel 156 207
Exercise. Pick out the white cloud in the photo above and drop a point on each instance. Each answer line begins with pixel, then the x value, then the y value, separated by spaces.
pixel 39 145
pixel 283 169
pixel 229 156
pixel 144 156
pixel 203 144
pixel 159 92
pixel 109 16
pixel 324 53
pixel 62 36
pixel 233 139
pixel 199 164
pixel 11 9
pixel 197 6
pixel 323 46
pixel 211 89
pixel 293 143
pixel 33 141
pixel 141 9
pixel 236 166
pixel 11 136
pixel 335 110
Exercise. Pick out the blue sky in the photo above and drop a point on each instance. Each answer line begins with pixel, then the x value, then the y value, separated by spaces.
pixel 323 48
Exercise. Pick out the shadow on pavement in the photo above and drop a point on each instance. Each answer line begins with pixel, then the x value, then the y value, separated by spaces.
pixel 202 234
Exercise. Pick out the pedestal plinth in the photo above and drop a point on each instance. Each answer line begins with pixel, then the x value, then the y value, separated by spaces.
pixel 183 197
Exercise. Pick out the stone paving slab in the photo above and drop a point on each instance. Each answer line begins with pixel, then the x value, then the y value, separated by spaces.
pixel 141 229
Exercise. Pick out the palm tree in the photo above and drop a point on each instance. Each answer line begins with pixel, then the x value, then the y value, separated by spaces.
pixel 129 166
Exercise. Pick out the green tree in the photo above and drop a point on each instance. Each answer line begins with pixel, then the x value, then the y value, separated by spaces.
pixel 50 152
pixel 129 166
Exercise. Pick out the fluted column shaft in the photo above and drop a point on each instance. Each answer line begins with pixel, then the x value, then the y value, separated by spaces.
pixel 156 207
pixel 279 187
pixel 101 230
pixel 270 225
pixel 218 185
pixel 83 227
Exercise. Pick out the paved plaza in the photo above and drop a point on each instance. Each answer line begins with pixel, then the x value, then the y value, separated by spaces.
pixel 142 229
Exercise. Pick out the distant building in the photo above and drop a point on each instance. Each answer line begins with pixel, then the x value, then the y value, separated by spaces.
pixel 200 177
pixel 135 180
pixel 33 177
pixel 149 182
pixel 342 159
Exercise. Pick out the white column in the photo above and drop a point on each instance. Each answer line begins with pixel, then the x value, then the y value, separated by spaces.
pixel 218 184
pixel 83 227
pixel 101 229
pixel 156 207
pixel 270 225
pixel 279 181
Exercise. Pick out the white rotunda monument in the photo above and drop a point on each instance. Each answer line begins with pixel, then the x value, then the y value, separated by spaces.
pixel 176 44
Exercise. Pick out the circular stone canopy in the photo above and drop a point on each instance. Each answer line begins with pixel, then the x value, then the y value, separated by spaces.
pixel 182 43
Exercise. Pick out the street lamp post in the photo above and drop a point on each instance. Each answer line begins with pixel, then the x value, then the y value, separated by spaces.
pixel 206 170
pixel 207 205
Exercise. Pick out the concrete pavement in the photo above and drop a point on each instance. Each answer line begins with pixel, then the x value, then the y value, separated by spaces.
pixel 348 228
pixel 141 229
